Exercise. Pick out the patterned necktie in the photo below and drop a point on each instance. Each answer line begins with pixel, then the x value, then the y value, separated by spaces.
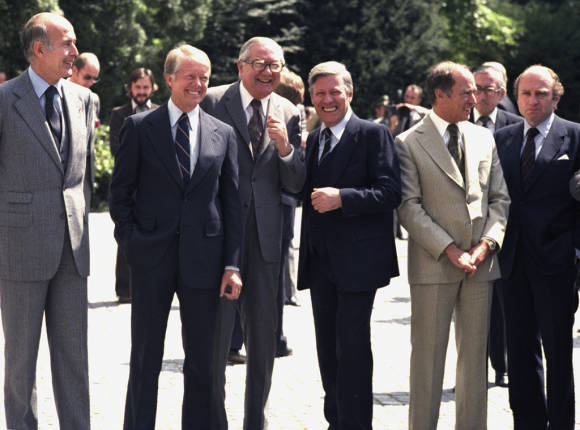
pixel 256 127
pixel 52 114
pixel 528 155
pixel 182 147
pixel 485 121
pixel 327 140
pixel 454 147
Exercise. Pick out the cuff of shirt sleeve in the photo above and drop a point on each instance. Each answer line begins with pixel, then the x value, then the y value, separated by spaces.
pixel 234 268
pixel 288 157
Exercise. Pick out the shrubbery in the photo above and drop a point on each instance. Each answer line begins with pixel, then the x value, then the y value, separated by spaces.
pixel 104 162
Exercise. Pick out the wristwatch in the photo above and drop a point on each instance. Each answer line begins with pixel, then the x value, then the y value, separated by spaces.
pixel 491 243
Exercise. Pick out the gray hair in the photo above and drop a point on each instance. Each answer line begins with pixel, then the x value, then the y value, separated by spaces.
pixel 491 70
pixel 245 49
pixel 34 31
pixel 176 55
pixel 330 68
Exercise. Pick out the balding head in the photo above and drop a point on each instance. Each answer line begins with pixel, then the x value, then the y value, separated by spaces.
pixel 86 69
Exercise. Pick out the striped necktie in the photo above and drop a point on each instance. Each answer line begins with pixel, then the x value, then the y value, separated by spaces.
pixel 182 147
pixel 52 115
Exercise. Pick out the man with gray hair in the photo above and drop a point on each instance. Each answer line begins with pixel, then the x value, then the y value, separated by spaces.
pixel 268 133
pixel 347 248
pixel 175 204
pixel 45 130
pixel 454 206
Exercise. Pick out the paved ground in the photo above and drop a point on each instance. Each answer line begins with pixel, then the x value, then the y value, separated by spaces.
pixel 296 397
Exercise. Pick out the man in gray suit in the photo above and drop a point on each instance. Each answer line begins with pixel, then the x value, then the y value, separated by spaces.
pixel 454 206
pixel 268 132
pixel 46 126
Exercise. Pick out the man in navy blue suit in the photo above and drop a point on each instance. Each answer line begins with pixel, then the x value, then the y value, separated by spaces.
pixel 539 157
pixel 347 249
pixel 174 200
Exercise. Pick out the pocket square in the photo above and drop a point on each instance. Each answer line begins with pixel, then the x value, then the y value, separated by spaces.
pixel 563 157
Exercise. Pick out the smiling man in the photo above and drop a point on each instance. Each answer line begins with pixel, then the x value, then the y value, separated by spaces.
pixel 45 131
pixel 454 206
pixel 268 131
pixel 175 204
pixel 347 249
pixel 539 158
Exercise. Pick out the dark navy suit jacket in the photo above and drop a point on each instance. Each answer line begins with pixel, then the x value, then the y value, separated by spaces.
pixel 151 209
pixel 543 215
pixel 359 235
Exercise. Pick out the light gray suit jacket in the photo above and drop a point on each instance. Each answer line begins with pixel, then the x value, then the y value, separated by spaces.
pixel 439 208
pixel 263 179
pixel 38 197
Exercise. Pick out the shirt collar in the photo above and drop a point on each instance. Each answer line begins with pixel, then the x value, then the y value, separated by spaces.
pixel 441 124
pixel 175 113
pixel 135 105
pixel 247 99
pixel 477 115
pixel 543 127
pixel 40 85
pixel 338 129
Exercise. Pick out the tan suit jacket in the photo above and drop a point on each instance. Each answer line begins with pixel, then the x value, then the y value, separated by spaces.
pixel 439 208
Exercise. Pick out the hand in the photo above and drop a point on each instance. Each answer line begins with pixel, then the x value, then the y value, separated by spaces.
pixel 231 278
pixel 460 258
pixel 326 199
pixel 277 132
pixel 478 254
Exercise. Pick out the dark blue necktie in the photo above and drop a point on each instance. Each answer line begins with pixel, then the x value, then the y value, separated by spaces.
pixel 256 127
pixel 528 155
pixel 327 135
pixel 182 147
pixel 52 115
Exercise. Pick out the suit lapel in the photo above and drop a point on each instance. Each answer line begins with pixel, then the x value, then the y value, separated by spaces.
pixel 550 149
pixel 207 150
pixel 233 104
pixel 159 134
pixel 75 112
pixel 432 143
pixel 28 106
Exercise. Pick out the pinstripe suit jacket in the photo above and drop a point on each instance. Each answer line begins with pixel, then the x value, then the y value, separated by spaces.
pixel 438 207
pixel 38 196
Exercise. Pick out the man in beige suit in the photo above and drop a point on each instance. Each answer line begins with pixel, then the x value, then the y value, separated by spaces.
pixel 454 206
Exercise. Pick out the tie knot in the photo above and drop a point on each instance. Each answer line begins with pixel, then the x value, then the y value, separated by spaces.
pixel 327 133
pixel 484 120
pixel 256 104
pixel 50 93
pixel 532 132
pixel 453 130
pixel 184 121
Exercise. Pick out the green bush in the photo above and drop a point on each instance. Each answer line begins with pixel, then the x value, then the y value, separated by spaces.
pixel 104 162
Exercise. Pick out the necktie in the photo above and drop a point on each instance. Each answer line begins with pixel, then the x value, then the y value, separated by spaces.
pixel 528 155
pixel 182 147
pixel 454 147
pixel 327 140
pixel 256 127
pixel 52 115
pixel 485 121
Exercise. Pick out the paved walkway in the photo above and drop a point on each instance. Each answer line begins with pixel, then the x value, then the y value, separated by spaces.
pixel 296 396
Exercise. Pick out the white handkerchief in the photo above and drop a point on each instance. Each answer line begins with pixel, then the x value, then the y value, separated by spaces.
pixel 563 157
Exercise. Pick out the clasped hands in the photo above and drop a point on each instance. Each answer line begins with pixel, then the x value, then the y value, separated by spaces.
pixel 468 261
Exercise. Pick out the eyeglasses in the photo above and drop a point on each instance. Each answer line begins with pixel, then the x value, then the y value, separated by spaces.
pixel 489 91
pixel 259 65
pixel 95 79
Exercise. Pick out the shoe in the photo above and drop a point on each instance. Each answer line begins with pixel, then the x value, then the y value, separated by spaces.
pixel 501 379
pixel 285 352
pixel 234 357
pixel 123 299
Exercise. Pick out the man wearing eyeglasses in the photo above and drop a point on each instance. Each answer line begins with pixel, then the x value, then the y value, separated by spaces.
pixel 490 90
pixel 268 133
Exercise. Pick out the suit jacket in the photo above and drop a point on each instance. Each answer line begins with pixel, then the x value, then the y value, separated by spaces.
pixel 151 209
pixel 543 215
pixel 439 207
pixel 503 119
pixel 118 115
pixel 359 235
pixel 263 179
pixel 39 198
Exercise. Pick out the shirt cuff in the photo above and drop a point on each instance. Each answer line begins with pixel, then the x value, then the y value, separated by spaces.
pixel 288 157
pixel 234 268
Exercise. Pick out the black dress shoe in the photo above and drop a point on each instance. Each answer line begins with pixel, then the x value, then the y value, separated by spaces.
pixel 124 299
pixel 283 352
pixel 234 357
pixel 501 379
